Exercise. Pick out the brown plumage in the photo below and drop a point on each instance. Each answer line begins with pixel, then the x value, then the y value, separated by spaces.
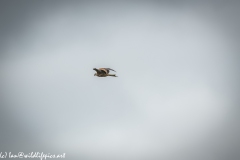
pixel 104 72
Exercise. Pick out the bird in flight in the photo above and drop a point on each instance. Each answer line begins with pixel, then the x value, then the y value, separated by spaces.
pixel 103 72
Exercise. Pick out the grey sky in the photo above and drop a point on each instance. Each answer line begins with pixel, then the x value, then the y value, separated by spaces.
pixel 176 96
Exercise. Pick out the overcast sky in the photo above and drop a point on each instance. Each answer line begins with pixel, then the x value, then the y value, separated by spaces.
pixel 175 97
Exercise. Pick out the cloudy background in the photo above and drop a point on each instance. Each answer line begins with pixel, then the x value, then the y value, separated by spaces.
pixel 176 97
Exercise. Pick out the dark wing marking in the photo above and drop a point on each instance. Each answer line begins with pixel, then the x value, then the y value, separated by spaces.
pixel 96 70
pixel 104 70
pixel 109 69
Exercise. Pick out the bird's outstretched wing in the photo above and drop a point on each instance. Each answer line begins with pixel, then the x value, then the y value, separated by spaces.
pixel 110 69
pixel 104 70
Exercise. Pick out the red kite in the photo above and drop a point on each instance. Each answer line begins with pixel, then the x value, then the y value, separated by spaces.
pixel 104 72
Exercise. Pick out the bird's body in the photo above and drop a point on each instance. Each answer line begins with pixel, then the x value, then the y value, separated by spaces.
pixel 104 72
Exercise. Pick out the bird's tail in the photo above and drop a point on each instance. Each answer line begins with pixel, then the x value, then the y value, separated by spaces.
pixel 113 75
